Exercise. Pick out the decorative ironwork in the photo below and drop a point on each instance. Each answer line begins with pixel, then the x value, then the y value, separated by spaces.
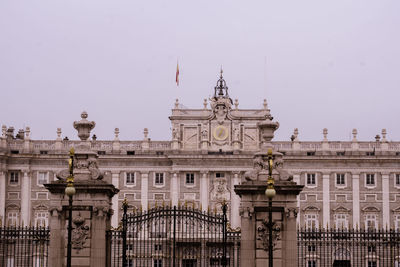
pixel 24 246
pixel 173 236
pixel 321 247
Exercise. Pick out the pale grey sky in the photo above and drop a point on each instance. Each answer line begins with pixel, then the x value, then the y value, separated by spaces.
pixel 332 64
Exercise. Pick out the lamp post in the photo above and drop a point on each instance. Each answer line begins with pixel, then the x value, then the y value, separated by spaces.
pixel 270 193
pixel 70 191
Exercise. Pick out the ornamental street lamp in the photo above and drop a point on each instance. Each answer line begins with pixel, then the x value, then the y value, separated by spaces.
pixel 70 191
pixel 270 193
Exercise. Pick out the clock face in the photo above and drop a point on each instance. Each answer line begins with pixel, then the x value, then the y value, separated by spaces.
pixel 220 133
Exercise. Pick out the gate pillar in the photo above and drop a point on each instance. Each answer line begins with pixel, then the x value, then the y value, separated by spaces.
pixel 254 207
pixel 91 208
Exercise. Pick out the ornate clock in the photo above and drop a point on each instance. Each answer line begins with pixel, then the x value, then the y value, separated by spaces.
pixel 220 133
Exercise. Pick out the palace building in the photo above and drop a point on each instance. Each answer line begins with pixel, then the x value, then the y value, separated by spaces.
pixel 347 184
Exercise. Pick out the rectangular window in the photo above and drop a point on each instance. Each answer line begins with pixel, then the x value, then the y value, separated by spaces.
pixel 43 178
pixel 311 179
pixel 340 179
pixel 311 153
pixel 341 222
pixel 130 178
pixel 158 247
pixel 397 179
pixel 130 153
pixel 370 179
pixel 41 219
pixel 311 263
pixel 190 178
pixel 370 222
pixel 159 178
pixel 219 175
pixel 14 176
pixel 311 248
pixel 12 218
pixel 311 221
pixel 372 264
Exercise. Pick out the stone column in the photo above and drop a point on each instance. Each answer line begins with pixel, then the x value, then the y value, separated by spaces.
pixel 25 198
pixel 3 178
pixel 115 217
pixel 385 201
pixel 174 189
pixel 326 211
pixel 204 191
pixel 356 200
pixel 144 190
pixel 235 202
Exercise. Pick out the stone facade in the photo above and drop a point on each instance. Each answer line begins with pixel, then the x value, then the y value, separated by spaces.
pixel 346 184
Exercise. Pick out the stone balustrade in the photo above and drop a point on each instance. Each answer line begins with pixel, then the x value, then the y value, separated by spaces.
pixel 283 146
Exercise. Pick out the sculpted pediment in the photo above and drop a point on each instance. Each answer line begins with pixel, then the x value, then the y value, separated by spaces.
pixel 371 209
pixel 311 209
pixel 341 209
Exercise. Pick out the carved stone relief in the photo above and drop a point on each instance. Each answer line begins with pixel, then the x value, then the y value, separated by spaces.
pixel 80 233
pixel 220 190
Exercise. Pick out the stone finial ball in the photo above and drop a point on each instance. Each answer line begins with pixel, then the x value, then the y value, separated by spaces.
pixel 84 115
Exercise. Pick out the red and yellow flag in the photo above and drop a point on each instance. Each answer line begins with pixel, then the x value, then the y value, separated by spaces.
pixel 177 74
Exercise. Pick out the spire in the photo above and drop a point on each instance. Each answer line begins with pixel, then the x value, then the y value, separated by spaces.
pixel 221 87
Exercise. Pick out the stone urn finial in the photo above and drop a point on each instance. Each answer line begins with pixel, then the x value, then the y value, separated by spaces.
pixel 267 129
pixel 84 126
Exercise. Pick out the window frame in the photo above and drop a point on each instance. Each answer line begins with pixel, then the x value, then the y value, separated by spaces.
pixel 38 178
pixel 158 184
pixel 373 218
pixel 308 221
pixel 12 174
pixel 311 185
pixel 344 222
pixel 130 184
pixel 45 218
pixel 366 180
pixel 344 185
pixel 192 184
pixel 16 217
pixel 397 180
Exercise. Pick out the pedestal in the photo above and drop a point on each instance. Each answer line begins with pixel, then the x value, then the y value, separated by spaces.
pixel 91 217
pixel 254 216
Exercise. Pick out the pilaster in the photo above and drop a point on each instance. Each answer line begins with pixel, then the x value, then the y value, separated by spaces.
pixel 174 189
pixel 385 201
pixel 25 198
pixel 144 190
pixel 204 191
pixel 356 200
pixel 326 211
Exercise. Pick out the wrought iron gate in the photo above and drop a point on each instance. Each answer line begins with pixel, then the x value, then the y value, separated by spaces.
pixel 345 248
pixel 173 236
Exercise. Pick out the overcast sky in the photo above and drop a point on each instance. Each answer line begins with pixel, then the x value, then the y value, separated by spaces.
pixel 332 64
